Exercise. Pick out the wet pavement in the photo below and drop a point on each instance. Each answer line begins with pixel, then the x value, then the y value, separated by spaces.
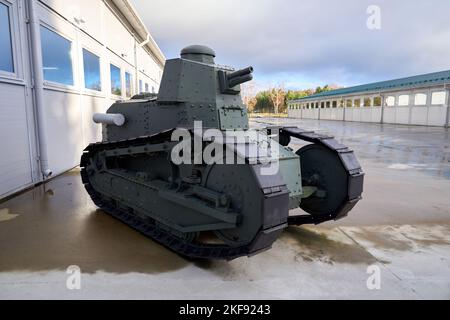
pixel 402 228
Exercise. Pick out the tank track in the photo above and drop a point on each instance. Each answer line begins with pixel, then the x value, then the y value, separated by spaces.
pixel 348 159
pixel 212 251
pixel 149 228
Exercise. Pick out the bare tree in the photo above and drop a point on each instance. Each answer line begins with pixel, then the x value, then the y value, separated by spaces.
pixel 248 94
pixel 277 95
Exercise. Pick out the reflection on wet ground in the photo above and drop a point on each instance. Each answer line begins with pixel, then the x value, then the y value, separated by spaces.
pixel 401 147
pixel 57 225
pixel 316 246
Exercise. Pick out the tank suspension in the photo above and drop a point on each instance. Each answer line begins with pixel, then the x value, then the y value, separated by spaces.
pixel 343 156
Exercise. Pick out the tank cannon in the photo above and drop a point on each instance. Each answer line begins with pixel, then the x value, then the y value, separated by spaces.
pixel 230 80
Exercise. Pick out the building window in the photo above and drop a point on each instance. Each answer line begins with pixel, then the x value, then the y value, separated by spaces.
pixel 334 104
pixel 357 103
pixel 438 98
pixel 6 56
pixel 147 89
pixel 92 78
pixel 128 84
pixel 141 86
pixel 341 103
pixel 403 100
pixel 420 99
pixel 367 102
pixel 328 104
pixel 56 57
pixel 322 104
pixel 377 102
pixel 116 81
pixel 349 103
pixel 390 101
pixel 317 105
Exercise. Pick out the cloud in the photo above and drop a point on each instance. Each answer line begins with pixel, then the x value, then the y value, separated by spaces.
pixel 308 42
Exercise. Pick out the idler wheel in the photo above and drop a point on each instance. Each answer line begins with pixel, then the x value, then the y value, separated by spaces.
pixel 323 169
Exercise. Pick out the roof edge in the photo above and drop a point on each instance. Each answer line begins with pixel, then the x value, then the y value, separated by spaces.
pixel 129 11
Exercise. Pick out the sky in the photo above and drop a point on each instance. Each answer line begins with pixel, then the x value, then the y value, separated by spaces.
pixel 306 43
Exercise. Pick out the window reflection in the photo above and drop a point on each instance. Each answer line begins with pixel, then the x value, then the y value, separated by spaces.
pixel 420 99
pixel 91 71
pixel 128 84
pixel 438 98
pixel 6 57
pixel 56 57
pixel 403 100
pixel 116 82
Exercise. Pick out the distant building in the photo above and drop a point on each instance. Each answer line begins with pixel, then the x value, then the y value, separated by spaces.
pixel 62 61
pixel 417 100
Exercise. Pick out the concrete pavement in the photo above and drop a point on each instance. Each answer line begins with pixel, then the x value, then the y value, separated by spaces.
pixel 401 228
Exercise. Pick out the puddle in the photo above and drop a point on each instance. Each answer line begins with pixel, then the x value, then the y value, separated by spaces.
pixel 223 269
pixel 58 231
pixel 383 241
pixel 5 215
pixel 403 238
pixel 312 246
pixel 400 166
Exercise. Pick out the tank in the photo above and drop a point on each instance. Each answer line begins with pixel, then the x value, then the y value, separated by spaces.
pixel 184 168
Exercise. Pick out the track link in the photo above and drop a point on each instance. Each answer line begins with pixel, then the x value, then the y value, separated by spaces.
pixel 347 156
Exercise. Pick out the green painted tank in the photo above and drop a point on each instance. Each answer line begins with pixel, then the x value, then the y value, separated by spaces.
pixel 184 168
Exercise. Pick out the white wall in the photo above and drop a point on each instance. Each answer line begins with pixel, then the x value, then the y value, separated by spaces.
pixel 17 140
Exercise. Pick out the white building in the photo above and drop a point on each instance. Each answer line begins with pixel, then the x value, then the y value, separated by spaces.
pixel 417 100
pixel 62 61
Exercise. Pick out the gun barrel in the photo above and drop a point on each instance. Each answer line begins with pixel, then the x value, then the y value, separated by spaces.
pixel 240 73
pixel 240 80
pixel 116 119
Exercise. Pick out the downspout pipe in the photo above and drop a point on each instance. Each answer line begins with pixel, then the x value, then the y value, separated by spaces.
pixel 39 88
